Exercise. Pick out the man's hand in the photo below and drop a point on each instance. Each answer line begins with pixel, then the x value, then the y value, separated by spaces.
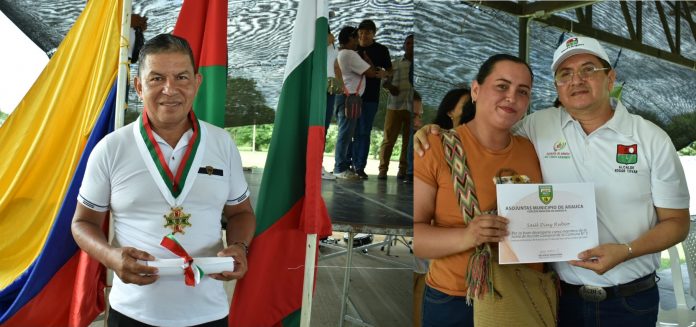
pixel 420 139
pixel 124 262
pixel 238 252
pixel 487 229
pixel 602 258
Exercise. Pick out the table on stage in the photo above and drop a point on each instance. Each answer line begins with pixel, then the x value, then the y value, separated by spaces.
pixel 359 206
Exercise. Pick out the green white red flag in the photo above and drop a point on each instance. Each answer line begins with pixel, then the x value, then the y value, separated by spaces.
pixel 203 23
pixel 290 205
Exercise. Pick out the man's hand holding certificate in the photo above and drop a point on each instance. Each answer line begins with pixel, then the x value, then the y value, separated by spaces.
pixel 548 222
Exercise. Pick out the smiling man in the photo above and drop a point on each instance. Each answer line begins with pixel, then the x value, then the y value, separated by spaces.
pixel 165 175
pixel 641 193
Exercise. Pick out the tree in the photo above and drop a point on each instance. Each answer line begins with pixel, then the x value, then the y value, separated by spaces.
pixel 245 104
pixel 3 117
pixel 243 136
pixel 689 150
pixel 680 128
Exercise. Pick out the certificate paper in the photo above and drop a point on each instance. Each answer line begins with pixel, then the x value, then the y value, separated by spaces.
pixel 209 265
pixel 548 222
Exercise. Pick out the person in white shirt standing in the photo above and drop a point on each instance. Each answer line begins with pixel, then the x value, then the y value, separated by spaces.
pixel 334 86
pixel 354 70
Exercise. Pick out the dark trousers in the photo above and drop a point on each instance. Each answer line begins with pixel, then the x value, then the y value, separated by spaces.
pixel 117 319
pixel 637 310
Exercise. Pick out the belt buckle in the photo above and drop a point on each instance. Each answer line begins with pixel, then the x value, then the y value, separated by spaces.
pixel 592 293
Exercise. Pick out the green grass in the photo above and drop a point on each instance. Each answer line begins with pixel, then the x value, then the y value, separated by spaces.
pixel 664 263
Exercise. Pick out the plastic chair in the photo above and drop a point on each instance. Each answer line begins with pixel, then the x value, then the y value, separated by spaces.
pixel 681 315
pixel 689 246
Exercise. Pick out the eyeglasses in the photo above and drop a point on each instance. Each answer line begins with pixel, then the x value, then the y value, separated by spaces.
pixel 584 73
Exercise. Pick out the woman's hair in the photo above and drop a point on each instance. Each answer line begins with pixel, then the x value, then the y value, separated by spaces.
pixel 487 65
pixel 448 103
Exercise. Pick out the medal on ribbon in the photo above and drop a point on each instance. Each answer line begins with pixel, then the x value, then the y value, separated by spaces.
pixel 177 220
pixel 170 184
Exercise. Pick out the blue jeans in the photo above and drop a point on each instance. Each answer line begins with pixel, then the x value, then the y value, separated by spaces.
pixel 638 310
pixel 442 310
pixel 346 129
pixel 330 102
pixel 361 142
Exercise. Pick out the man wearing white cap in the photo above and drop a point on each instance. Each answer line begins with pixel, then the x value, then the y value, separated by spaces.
pixel 641 193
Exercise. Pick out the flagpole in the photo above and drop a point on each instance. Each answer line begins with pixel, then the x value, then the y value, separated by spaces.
pixel 123 64
pixel 310 264
pixel 321 10
pixel 119 117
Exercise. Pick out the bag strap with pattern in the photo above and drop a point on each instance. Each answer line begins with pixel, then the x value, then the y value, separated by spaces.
pixel 479 275
pixel 357 90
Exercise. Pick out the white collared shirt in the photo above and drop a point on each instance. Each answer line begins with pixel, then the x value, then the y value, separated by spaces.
pixel 117 178
pixel 634 167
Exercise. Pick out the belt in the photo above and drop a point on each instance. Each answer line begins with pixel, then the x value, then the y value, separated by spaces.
pixel 598 294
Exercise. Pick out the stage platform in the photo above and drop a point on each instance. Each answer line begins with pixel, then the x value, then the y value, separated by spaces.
pixel 369 206
pixel 360 206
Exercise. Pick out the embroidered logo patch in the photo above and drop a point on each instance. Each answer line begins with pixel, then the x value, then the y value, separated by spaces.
pixel 627 154
pixel 559 151
pixel 572 42
pixel 545 193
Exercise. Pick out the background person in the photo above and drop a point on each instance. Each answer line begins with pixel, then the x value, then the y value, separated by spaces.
pixel 378 56
pixel 455 109
pixel 399 107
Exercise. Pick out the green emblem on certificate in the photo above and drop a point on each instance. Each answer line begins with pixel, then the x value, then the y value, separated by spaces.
pixel 545 193
pixel 177 220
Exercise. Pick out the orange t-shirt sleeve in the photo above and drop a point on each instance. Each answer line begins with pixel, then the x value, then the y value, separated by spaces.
pixel 427 167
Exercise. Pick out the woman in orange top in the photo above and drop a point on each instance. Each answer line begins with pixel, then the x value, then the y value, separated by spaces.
pixel 501 94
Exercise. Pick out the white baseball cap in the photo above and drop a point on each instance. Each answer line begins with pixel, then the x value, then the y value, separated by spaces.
pixel 577 45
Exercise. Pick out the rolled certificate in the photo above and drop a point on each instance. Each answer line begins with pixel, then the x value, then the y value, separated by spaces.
pixel 209 265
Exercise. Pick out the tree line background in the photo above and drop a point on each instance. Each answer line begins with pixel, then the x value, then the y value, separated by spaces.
pixel 246 110
pixel 246 107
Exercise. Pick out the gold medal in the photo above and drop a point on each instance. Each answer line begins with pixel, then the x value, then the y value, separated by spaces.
pixel 177 220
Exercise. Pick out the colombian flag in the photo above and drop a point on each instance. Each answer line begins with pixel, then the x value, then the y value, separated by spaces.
pixel 44 279
pixel 290 205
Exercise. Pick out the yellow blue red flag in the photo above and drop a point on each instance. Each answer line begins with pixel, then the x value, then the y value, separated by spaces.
pixel 44 279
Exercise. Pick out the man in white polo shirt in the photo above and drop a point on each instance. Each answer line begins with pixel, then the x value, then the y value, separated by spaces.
pixel 166 175
pixel 641 193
